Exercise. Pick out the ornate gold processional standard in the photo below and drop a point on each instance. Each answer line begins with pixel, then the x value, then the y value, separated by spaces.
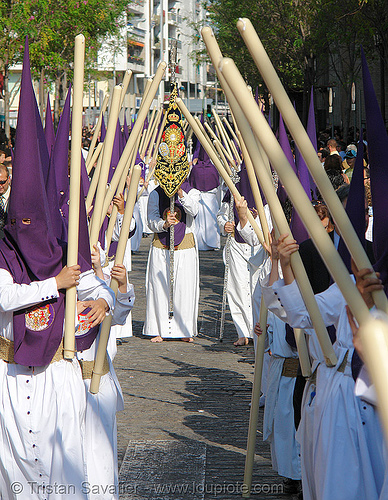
pixel 172 165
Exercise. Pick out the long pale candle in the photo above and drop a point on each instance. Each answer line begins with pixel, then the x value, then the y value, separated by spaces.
pixel 295 190
pixel 216 162
pixel 255 400
pixel 125 84
pixel 105 327
pixel 308 152
pixel 243 129
pixel 105 165
pixel 95 156
pixel 74 193
pixel 96 132
pixel 136 130
pixel 374 339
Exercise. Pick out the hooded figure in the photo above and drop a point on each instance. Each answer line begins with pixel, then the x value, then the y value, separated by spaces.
pixel 42 395
pixel 204 177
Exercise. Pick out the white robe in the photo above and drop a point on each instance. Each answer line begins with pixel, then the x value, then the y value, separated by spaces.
pixel 100 419
pixel 347 440
pixel 206 227
pixel 279 425
pixel 186 278
pixel 242 278
pixel 119 331
pixel 42 417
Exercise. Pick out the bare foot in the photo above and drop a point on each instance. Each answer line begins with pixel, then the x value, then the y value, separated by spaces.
pixel 187 339
pixel 158 338
pixel 241 341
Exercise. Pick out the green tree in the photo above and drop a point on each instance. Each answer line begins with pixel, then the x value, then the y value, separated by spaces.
pixel 52 26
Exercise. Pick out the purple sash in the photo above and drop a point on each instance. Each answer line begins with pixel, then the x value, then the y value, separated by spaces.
pixel 164 205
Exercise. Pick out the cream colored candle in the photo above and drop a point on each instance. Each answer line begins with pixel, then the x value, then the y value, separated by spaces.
pixel 228 181
pixel 74 193
pixel 94 181
pixel 295 190
pixel 224 150
pixel 374 339
pixel 255 401
pixel 95 133
pixel 95 156
pixel 105 328
pixel 308 152
pixel 125 84
pixel 220 152
pixel 105 165
pixel 266 183
pixel 136 130
pixel 149 132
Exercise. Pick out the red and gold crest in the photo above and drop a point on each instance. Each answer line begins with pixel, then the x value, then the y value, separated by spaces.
pixel 172 166
pixel 39 318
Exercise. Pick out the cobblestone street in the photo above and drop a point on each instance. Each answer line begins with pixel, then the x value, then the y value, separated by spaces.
pixel 184 429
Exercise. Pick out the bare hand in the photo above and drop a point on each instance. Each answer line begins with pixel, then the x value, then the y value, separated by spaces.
pixel 98 310
pixel 96 259
pixel 171 220
pixel 229 227
pixel 242 210
pixel 68 277
pixel 258 331
pixel 119 273
pixel 367 284
pixel 119 202
pixel 286 247
pixel 180 193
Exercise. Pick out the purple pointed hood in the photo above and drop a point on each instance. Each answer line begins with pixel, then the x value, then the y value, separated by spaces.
pixel 204 175
pixel 377 152
pixel 103 130
pixel 30 250
pixel 125 129
pixel 355 205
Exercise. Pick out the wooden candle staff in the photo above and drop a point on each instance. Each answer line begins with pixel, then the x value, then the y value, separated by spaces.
pixel 95 133
pixel 136 130
pixel 308 152
pixel 74 193
pixel 105 165
pixel 105 328
pixel 294 189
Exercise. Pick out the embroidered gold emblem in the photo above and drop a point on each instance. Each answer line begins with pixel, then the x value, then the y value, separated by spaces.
pixel 172 166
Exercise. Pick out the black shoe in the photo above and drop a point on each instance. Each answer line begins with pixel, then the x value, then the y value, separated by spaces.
pixel 119 341
pixel 291 486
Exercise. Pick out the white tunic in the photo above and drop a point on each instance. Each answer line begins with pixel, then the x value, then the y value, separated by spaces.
pixel 242 278
pixel 206 227
pixel 279 425
pixel 186 277
pixel 100 419
pixel 347 439
pixel 42 408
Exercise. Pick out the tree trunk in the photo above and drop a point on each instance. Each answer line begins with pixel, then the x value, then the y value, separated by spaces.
pixel 6 102
pixel 41 95
pixel 56 102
